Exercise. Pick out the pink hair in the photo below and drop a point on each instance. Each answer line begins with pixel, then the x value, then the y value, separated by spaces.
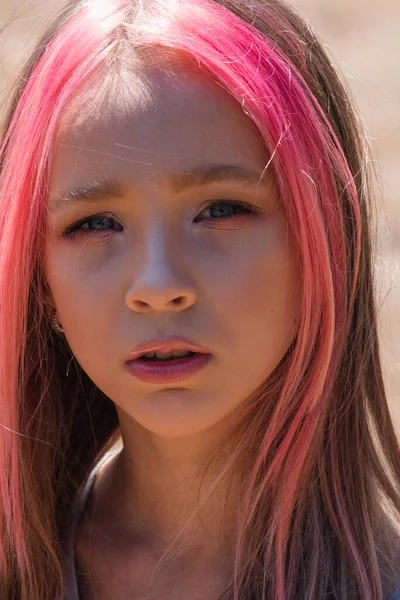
pixel 314 180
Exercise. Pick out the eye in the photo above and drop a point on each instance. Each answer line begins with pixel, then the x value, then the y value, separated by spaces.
pixel 228 209
pixel 103 225
pixel 91 225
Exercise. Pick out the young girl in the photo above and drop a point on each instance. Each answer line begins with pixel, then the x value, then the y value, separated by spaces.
pixel 192 404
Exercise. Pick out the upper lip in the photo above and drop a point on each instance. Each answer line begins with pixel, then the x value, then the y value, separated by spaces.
pixel 166 345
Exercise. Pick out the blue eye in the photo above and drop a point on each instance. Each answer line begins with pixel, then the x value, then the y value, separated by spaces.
pixel 99 223
pixel 91 225
pixel 227 209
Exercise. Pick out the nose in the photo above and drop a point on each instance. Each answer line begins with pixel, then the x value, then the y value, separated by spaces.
pixel 161 282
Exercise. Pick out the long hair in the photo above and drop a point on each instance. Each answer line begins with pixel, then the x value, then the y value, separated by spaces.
pixel 319 458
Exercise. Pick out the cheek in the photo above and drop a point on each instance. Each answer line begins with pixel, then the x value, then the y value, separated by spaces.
pixel 261 294
pixel 85 305
pixel 84 296
pixel 259 276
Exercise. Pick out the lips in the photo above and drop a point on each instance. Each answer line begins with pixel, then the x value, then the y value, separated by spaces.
pixel 173 370
pixel 167 345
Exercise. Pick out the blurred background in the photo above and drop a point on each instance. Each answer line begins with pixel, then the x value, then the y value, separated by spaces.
pixel 363 39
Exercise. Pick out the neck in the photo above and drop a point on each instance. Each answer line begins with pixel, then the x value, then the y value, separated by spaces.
pixel 161 488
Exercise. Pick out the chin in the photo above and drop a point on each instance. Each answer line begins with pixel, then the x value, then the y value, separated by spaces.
pixel 178 413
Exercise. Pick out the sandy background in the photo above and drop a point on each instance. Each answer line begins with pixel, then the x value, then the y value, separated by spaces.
pixel 363 36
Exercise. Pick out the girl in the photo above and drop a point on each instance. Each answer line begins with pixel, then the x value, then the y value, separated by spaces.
pixel 192 403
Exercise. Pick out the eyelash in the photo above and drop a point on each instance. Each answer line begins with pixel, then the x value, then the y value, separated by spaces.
pixel 77 228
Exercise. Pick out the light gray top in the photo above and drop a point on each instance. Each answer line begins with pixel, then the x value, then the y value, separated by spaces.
pixel 78 506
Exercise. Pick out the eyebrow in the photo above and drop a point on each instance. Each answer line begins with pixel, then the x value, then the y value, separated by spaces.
pixel 100 190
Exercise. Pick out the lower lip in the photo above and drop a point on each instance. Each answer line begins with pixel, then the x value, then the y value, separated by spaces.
pixel 172 371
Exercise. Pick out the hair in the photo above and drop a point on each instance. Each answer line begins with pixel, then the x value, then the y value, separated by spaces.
pixel 321 459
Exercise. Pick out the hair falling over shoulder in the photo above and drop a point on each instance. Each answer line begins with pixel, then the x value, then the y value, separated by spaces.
pixel 321 503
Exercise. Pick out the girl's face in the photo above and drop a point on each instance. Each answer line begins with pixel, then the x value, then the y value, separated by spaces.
pixel 188 244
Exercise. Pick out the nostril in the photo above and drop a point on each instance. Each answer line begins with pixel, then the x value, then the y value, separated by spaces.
pixel 140 304
pixel 160 302
pixel 178 301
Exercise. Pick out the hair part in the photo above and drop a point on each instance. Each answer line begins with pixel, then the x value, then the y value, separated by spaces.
pixel 317 456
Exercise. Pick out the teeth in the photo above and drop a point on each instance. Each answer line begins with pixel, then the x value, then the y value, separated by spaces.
pixel 165 355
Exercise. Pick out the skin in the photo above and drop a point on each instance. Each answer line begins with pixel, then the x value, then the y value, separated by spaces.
pixel 238 287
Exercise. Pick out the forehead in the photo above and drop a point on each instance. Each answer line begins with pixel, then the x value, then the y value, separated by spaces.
pixel 145 123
